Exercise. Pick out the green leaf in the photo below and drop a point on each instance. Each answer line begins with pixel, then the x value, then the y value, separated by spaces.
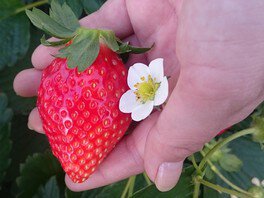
pixel 5 143
pixel 50 189
pixel 184 188
pixel 5 149
pixel 14 37
pixel 91 6
pixel 230 163
pixel 49 25
pixel 75 5
pixel 37 168
pixel 209 174
pixel 5 113
pixel 64 16
pixel 25 143
pixel 83 51
pixel 17 103
pixel 258 124
pixel 8 7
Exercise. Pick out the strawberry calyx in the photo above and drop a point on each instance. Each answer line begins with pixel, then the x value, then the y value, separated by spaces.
pixel 62 24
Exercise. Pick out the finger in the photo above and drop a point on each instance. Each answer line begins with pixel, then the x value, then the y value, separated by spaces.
pixel 113 15
pixel 124 161
pixel 27 82
pixel 34 121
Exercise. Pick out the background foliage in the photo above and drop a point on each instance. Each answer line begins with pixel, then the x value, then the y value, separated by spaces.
pixel 28 169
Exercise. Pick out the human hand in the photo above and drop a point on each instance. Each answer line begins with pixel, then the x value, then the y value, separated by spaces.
pixel 213 52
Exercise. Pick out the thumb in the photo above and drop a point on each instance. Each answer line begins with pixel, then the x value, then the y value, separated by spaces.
pixel 190 119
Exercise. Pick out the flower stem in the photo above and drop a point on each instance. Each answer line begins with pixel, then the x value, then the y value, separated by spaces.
pixel 222 189
pixel 147 179
pixel 192 157
pixel 131 186
pixel 29 6
pixel 126 189
pixel 196 189
pixel 220 175
pixel 224 142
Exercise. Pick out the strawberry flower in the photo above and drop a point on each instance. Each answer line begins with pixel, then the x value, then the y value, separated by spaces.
pixel 148 88
pixel 257 182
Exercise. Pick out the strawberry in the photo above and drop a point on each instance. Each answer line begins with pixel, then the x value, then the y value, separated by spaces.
pixel 80 111
pixel 223 131
pixel 78 98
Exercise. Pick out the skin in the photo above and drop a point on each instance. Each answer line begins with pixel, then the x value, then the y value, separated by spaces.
pixel 213 51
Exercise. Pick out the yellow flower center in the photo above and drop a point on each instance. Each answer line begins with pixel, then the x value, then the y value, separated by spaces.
pixel 146 89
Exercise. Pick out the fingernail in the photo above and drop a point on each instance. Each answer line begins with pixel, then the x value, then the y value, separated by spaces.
pixel 168 175
pixel 29 126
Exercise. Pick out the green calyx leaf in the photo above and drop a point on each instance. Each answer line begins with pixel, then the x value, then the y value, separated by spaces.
pixel 47 43
pixel 83 50
pixel 127 48
pixel 62 22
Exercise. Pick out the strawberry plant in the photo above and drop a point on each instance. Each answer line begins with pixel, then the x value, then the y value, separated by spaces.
pixel 78 101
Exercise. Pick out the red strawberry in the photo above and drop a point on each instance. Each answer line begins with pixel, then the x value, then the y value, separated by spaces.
pixel 78 99
pixel 80 111
pixel 223 131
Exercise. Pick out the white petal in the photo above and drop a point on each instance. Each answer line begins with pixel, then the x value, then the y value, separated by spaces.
pixel 262 183
pixel 128 102
pixel 135 73
pixel 156 69
pixel 142 111
pixel 255 181
pixel 162 92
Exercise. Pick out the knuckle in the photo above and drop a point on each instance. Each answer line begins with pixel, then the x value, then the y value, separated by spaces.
pixel 133 151
pixel 173 148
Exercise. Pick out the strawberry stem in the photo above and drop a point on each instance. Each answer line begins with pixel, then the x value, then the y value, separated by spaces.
pixel 31 5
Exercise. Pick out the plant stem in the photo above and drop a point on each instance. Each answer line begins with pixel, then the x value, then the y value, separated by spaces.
pixel 125 191
pixel 147 179
pixel 196 189
pixel 222 189
pixel 131 186
pixel 195 164
pixel 220 175
pixel 224 142
pixel 29 6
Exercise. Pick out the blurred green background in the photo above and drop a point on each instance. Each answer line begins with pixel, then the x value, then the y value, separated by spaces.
pixel 28 169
